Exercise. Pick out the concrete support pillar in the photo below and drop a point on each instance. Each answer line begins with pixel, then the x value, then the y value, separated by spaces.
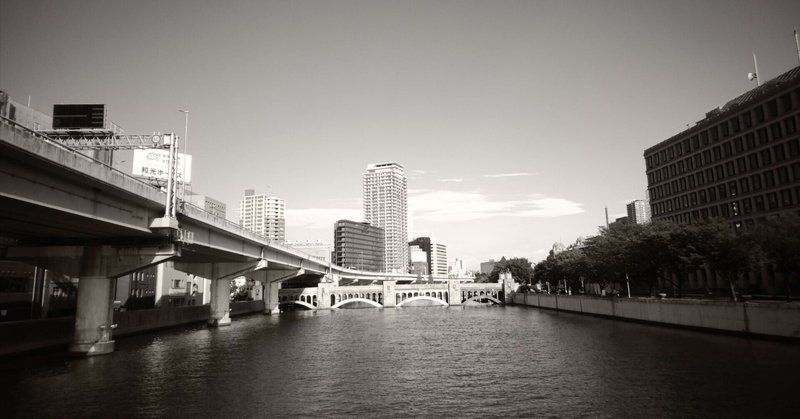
pixel 389 295
pixel 271 297
pixel 508 287
pixel 324 295
pixel 220 303
pixel 454 292
pixel 93 315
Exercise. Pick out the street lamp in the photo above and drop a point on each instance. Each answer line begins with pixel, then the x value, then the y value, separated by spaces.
pixel 185 146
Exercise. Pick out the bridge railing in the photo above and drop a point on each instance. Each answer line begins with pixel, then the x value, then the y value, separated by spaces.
pixel 14 125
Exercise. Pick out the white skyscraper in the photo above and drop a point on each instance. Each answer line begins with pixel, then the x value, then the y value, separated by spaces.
pixel 386 206
pixel 263 214
pixel 638 212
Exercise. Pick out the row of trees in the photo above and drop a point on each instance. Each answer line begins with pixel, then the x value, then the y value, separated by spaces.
pixel 643 253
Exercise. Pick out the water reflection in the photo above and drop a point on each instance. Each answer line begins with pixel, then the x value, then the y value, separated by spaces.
pixel 435 361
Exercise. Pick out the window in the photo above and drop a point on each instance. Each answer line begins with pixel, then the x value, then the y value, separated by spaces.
pixel 707 157
pixel 702 196
pixel 744 185
pixel 789 125
pixel 738 144
pixel 769 179
pixel 723 192
pixel 772 200
pixel 712 194
pixel 780 154
pixel 741 165
pixel 766 157
pixel 759 201
pixel 732 189
pixel 796 171
pixel 717 153
pixel 729 169
pixel 735 208
pixel 695 143
pixel 759 114
pixel 747 206
pixel 776 131
pixel 714 133
pixel 752 161
pixel 735 124
pixel 786 102
pixel 755 180
pixel 772 108
pixel 714 211
pixel 786 198
pixel 719 172
pixel 783 175
pixel 747 119
pixel 763 138
pixel 750 141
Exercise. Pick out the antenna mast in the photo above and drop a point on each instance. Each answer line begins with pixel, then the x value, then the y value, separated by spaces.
pixel 797 43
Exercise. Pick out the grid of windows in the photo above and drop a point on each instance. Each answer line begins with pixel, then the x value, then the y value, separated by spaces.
pixel 742 162
pixel 385 200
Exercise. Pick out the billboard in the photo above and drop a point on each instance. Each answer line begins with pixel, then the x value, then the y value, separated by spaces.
pixel 153 163
pixel 74 116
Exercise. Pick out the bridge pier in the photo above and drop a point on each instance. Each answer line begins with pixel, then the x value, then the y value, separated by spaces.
pixel 389 294
pixel 95 267
pixel 272 283
pixel 220 303
pixel 454 292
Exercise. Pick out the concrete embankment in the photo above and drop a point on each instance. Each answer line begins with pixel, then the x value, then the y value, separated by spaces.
pixel 759 319
pixel 22 336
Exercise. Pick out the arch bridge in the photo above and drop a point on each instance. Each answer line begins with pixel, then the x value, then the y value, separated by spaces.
pixel 390 294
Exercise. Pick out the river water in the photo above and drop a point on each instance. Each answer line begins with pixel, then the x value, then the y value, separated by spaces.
pixel 413 362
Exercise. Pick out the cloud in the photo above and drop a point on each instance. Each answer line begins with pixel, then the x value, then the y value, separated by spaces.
pixel 320 217
pixel 462 206
pixel 509 174
pixel 455 179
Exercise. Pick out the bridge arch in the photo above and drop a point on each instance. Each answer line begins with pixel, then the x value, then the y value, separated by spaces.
pixel 357 299
pixel 479 298
pixel 299 303
pixel 423 298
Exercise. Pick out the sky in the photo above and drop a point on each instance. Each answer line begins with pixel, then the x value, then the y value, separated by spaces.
pixel 517 122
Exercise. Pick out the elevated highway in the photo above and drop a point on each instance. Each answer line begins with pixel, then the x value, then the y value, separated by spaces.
pixel 67 212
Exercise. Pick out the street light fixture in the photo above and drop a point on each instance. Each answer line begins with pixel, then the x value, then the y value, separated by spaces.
pixel 185 146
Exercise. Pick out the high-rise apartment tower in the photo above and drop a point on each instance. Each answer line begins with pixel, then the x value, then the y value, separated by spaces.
pixel 264 215
pixel 386 206
pixel 638 212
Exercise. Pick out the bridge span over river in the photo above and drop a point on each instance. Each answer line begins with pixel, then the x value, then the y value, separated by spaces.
pixel 64 211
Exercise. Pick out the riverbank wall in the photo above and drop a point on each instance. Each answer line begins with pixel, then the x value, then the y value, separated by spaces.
pixel 24 336
pixel 777 320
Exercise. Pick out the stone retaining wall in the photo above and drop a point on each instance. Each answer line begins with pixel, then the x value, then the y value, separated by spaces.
pixel 766 319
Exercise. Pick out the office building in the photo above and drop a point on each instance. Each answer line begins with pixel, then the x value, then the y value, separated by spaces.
pixel 210 205
pixel 638 212
pixel 358 246
pixel 488 267
pixel 419 260
pixel 741 162
pixel 264 215
pixel 435 254
pixel 386 206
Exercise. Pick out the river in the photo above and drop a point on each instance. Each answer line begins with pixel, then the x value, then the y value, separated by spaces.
pixel 413 362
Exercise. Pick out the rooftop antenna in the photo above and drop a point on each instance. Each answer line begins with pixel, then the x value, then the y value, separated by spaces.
pixel 751 76
pixel 797 43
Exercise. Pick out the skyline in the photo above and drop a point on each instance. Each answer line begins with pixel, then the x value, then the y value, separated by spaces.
pixel 517 122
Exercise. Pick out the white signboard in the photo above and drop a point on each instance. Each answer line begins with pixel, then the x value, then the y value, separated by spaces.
pixel 154 164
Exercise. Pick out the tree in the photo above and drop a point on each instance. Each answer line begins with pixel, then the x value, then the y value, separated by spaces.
pixel 779 240
pixel 520 268
pixel 725 251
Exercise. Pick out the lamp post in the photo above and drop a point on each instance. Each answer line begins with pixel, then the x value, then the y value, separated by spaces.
pixel 185 147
